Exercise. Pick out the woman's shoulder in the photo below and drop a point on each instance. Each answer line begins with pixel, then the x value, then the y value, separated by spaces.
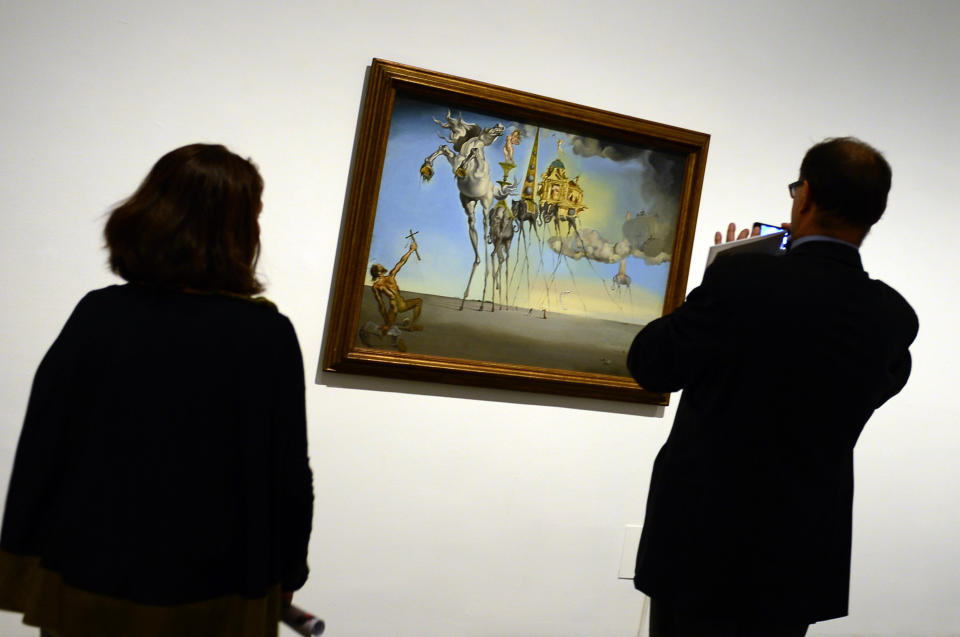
pixel 102 300
pixel 257 314
pixel 151 303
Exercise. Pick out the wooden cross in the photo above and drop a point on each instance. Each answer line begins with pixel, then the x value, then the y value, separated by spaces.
pixel 410 236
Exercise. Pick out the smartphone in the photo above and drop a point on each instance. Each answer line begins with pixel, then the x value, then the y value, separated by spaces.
pixel 766 228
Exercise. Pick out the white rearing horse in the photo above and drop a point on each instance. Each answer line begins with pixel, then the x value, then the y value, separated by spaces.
pixel 472 172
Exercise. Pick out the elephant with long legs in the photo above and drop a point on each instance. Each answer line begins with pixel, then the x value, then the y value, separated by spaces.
pixel 502 229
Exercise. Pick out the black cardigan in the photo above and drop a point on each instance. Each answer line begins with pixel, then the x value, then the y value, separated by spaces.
pixel 161 484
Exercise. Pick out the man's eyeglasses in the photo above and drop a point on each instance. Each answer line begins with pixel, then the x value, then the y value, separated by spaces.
pixel 793 188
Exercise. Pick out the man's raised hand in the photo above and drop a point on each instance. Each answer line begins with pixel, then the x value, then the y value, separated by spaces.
pixel 732 234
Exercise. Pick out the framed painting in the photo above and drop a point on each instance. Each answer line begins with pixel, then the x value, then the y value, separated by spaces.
pixel 498 238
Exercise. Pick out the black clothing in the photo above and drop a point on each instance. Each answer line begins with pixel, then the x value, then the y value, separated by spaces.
pixel 666 621
pixel 161 476
pixel 782 360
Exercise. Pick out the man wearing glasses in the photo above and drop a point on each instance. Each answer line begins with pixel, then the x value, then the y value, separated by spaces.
pixel 782 360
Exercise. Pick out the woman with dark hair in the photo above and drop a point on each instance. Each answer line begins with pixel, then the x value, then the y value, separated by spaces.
pixel 161 486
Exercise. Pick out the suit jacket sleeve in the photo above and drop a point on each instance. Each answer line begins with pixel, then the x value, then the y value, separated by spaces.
pixel 670 352
pixel 900 365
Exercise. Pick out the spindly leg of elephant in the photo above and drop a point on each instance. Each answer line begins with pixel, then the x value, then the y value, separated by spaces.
pixel 506 276
pixel 500 257
pixel 468 207
pixel 486 262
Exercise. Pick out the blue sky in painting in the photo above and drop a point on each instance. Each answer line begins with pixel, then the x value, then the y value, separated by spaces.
pixel 633 180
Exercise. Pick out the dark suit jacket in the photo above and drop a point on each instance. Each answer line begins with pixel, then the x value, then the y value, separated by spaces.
pixel 782 360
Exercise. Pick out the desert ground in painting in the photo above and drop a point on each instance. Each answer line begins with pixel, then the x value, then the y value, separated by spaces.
pixel 515 335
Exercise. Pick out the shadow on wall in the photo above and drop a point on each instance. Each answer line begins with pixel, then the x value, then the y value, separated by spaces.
pixel 422 388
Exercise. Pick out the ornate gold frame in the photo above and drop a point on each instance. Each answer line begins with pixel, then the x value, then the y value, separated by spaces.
pixel 388 79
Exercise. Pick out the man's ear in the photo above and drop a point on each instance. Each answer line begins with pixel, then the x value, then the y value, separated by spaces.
pixel 804 201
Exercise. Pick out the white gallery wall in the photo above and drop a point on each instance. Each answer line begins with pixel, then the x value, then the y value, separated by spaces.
pixel 449 511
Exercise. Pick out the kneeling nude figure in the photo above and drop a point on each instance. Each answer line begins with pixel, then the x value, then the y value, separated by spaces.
pixel 387 293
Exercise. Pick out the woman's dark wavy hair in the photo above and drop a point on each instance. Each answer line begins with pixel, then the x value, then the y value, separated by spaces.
pixel 192 223
pixel 848 179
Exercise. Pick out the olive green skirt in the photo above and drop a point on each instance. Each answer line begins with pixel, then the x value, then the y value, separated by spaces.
pixel 46 601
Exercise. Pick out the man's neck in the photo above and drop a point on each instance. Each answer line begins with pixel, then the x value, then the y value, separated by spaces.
pixel 847 235
pixel 796 241
pixel 809 220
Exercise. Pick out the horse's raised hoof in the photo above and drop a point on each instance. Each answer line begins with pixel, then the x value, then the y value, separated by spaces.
pixel 426 171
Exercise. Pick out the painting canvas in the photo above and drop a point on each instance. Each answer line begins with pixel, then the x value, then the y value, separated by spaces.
pixel 509 247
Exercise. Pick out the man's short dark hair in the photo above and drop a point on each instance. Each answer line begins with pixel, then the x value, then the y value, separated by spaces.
pixel 848 180
pixel 192 223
